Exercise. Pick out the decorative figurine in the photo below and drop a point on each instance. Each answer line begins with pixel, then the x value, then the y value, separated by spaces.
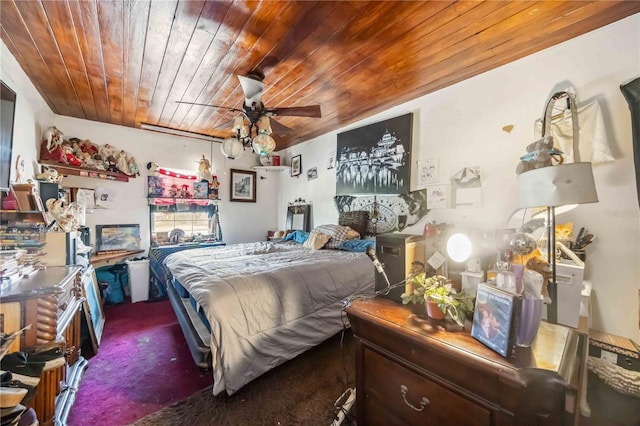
pixel 204 169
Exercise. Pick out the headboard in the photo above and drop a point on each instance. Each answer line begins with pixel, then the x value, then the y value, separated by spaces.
pixel 299 217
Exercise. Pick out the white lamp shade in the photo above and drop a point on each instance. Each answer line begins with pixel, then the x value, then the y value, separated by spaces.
pixel 560 185
pixel 232 148
pixel 238 125
pixel 263 144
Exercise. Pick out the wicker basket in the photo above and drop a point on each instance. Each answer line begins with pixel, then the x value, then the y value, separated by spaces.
pixel 622 380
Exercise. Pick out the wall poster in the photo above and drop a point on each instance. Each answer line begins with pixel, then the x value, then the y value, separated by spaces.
pixel 375 159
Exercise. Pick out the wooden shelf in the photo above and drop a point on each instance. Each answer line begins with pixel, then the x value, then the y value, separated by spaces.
pixel 271 168
pixel 65 169
pixel 23 216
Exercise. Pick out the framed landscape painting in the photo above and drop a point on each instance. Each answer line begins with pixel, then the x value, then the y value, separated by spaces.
pixel 243 186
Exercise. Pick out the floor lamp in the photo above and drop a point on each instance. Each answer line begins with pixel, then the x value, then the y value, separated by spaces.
pixel 552 187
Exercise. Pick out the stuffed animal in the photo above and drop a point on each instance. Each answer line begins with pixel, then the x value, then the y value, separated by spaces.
pixel 69 156
pixel 540 153
pixel 542 267
pixel 89 147
pixel 53 138
pixel 153 169
pixel 49 175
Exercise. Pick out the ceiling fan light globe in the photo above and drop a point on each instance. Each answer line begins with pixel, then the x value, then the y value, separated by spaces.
pixel 232 148
pixel 263 144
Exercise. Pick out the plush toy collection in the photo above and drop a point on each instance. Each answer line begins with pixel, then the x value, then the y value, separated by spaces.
pixel 85 154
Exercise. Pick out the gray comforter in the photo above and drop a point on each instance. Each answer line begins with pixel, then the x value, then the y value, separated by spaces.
pixel 268 302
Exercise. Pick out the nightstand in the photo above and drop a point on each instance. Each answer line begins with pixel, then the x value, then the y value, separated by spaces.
pixel 410 371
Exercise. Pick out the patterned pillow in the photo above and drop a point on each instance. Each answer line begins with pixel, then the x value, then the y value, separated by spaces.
pixel 338 234
pixel 358 220
pixel 316 240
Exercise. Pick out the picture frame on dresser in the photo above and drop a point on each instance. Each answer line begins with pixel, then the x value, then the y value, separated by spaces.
pixel 495 319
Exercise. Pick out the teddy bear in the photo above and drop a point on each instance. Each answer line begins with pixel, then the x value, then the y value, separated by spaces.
pixel 540 153
pixel 542 267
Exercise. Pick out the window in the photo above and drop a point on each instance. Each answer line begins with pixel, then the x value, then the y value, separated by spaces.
pixel 183 222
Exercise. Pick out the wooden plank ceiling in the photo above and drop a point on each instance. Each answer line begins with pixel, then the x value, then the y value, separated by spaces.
pixel 128 62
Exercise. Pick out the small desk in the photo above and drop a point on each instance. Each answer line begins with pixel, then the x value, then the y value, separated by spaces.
pixel 100 260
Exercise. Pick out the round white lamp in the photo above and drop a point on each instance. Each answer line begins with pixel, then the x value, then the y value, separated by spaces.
pixel 263 144
pixel 232 148
pixel 459 247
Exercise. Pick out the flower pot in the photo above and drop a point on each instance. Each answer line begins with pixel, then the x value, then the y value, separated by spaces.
pixel 433 311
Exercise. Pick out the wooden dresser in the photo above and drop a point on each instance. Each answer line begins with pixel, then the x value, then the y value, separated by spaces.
pixel 412 372
pixel 51 302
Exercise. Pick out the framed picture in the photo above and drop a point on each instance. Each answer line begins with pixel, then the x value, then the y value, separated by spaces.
pixel 201 189
pixel 375 159
pixel 312 173
pixel 92 307
pixel 117 237
pixel 296 165
pixel 494 318
pixel 243 186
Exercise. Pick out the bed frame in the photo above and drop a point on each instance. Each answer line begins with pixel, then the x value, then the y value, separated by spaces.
pixel 195 332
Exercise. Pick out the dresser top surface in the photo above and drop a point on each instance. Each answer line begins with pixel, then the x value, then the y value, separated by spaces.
pixel 44 282
pixel 551 350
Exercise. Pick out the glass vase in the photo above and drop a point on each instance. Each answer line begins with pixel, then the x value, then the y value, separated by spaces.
pixel 530 316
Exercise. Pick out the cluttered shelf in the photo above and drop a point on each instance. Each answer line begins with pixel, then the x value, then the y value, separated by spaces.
pixel 65 169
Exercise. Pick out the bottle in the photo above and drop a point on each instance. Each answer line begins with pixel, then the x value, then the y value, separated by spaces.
pixel 505 279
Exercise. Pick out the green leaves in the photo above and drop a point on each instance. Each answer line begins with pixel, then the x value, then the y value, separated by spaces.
pixel 438 289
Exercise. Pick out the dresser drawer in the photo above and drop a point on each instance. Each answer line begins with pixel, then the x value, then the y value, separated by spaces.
pixel 394 394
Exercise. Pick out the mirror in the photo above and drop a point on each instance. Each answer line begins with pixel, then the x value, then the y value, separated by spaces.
pixel 299 218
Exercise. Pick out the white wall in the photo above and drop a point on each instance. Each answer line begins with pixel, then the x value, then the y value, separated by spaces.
pixel 32 115
pixel 462 126
pixel 241 222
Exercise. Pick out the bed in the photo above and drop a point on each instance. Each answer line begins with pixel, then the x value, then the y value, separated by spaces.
pixel 247 308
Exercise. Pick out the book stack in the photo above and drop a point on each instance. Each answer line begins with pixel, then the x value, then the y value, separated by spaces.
pixel 10 268
pixel 23 236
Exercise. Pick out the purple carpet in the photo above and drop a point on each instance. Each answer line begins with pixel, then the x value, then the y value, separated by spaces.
pixel 142 365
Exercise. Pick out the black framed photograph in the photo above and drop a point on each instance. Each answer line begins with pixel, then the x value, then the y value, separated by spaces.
pixel 375 159
pixel 494 319
pixel 243 186
pixel 296 165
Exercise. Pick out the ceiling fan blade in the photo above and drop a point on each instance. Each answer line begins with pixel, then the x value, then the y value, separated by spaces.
pixel 252 88
pixel 305 111
pixel 279 128
pixel 209 105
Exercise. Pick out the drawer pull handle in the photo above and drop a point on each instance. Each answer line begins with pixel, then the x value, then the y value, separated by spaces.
pixel 423 403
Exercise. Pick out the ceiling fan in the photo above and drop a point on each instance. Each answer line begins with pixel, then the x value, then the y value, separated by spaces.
pixel 255 112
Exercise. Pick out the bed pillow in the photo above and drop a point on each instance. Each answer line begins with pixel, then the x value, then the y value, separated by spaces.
pixel 337 233
pixel 316 240
pixel 357 245
pixel 358 220
pixel 352 234
pixel 297 236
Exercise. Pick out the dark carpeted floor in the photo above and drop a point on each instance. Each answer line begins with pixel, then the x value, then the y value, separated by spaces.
pixel 299 392
pixel 142 365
